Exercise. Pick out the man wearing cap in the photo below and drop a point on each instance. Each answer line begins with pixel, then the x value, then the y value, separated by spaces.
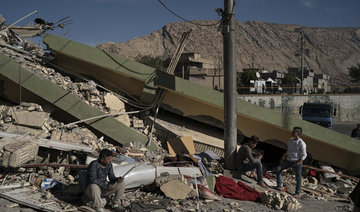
pixel 247 162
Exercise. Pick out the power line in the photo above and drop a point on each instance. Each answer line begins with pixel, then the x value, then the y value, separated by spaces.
pixel 184 19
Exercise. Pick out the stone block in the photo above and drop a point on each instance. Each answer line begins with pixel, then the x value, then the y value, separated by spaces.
pixel 175 189
pixel 113 103
pixel 30 119
pixel 19 151
pixel 138 123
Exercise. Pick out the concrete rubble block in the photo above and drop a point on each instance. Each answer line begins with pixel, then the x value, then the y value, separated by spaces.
pixel 18 151
pixel 113 103
pixel 30 119
pixel 280 201
pixel 176 190
pixel 165 178
pixel 6 112
pixel 55 135
pixel 8 127
pixel 31 106
pixel 68 136
pixel 138 124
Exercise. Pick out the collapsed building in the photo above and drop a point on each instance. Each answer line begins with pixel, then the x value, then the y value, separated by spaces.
pixel 85 95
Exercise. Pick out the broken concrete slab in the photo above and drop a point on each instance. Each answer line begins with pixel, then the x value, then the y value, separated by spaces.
pixel 46 143
pixel 30 119
pixel 176 189
pixel 113 103
pixel 114 72
pixel 11 128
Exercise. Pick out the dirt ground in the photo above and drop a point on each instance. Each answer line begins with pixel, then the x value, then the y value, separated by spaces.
pixel 308 205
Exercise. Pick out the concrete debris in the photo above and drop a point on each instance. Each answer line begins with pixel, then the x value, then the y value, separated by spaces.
pixel 15 152
pixel 280 201
pixel 166 177
pixel 176 189
pixel 30 119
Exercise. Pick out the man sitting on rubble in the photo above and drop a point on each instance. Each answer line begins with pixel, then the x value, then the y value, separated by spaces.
pixel 98 188
pixel 247 162
pixel 355 133
pixel 295 155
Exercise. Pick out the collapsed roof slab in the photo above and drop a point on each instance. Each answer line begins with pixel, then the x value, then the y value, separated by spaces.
pixel 204 104
pixel 42 91
pixel 112 71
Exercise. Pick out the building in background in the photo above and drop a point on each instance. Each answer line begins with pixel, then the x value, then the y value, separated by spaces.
pixel 199 70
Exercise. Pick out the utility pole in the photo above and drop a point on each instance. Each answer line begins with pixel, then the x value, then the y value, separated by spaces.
pixel 302 61
pixel 230 94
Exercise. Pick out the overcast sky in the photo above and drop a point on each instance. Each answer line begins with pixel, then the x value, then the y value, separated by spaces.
pixel 99 21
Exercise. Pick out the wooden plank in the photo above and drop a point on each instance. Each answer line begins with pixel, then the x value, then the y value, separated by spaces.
pixel 322 170
pixel 51 144
pixel 317 192
pixel 64 146
pixel 182 145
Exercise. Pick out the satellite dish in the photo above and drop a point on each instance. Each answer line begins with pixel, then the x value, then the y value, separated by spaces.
pixel 258 75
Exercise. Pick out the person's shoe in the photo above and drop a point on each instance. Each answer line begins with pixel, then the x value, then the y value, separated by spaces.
pixel 282 189
pixel 262 184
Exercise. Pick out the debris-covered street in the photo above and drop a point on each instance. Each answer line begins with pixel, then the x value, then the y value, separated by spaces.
pixel 46 146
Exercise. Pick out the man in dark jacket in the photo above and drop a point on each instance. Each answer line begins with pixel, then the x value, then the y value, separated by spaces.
pixel 247 162
pixel 98 186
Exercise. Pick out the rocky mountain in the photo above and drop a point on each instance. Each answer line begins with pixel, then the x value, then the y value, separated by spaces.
pixel 271 46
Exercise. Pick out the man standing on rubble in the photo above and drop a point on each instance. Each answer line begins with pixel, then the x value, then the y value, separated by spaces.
pixel 295 155
pixel 98 187
pixel 247 162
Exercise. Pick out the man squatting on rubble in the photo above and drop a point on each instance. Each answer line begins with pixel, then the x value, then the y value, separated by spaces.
pixel 295 155
pixel 247 162
pixel 98 187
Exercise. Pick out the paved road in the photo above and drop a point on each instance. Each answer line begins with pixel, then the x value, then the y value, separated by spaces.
pixel 344 127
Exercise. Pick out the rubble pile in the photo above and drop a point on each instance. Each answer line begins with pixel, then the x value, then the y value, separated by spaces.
pixel 86 90
pixel 31 119
pixel 280 201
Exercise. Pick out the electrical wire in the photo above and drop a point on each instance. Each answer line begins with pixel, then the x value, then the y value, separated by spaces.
pixel 134 102
pixel 184 19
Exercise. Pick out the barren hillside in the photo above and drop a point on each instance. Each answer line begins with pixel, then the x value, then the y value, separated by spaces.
pixel 272 46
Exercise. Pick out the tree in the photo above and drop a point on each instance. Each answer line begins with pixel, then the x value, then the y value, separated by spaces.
pixel 289 78
pixel 354 73
pixel 247 75
pixel 155 62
